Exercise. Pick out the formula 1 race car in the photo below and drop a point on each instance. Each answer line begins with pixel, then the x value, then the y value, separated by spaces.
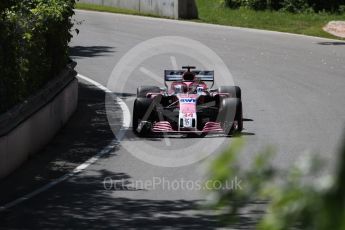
pixel 188 106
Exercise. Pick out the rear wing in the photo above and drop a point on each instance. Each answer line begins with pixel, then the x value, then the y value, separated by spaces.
pixel 176 75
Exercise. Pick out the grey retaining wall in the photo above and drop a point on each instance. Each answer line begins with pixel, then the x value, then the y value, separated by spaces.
pixel 28 127
pixel 176 9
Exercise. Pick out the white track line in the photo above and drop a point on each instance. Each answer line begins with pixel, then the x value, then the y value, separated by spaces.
pixel 126 122
pixel 86 164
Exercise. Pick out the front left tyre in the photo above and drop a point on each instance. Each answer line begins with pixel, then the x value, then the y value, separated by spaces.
pixel 231 115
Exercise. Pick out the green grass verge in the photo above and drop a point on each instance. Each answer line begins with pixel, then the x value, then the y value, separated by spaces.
pixel 211 12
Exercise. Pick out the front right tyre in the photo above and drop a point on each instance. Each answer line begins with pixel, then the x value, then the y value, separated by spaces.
pixel 142 116
pixel 142 91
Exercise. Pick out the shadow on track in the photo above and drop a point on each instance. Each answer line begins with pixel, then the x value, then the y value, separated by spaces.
pixel 77 52
pixel 83 203
pixel 331 43
pixel 84 136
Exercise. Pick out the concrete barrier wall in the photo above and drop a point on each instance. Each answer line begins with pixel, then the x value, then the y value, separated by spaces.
pixel 167 8
pixel 126 4
pixel 38 129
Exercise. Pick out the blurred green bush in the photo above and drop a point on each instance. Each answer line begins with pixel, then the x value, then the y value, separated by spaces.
pixel 300 197
pixel 34 37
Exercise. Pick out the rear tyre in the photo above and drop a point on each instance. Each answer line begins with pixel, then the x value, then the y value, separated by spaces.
pixel 234 91
pixel 144 90
pixel 142 111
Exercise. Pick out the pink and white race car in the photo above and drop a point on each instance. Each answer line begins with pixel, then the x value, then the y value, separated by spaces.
pixel 188 106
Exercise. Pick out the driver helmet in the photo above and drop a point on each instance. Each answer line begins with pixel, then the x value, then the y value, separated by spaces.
pixel 188 76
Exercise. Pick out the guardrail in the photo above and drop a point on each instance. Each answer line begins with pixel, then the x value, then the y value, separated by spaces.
pixel 28 127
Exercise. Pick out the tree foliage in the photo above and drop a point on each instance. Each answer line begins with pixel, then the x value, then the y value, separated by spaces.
pixel 34 37
pixel 301 197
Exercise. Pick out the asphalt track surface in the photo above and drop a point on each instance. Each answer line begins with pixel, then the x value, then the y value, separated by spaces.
pixel 293 98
